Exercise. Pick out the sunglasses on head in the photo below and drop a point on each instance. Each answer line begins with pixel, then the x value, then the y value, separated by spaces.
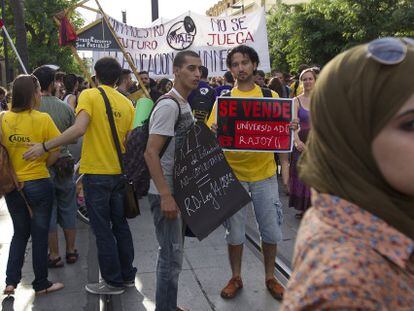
pixel 389 50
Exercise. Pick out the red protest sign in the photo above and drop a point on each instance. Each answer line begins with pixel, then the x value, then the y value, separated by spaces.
pixel 255 124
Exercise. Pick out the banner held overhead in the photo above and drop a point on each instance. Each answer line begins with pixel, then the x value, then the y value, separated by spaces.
pixel 153 49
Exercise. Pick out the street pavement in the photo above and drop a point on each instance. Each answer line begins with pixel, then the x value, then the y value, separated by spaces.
pixel 205 271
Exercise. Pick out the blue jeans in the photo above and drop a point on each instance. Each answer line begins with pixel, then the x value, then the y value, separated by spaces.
pixel 268 211
pixel 170 256
pixel 39 194
pixel 104 198
pixel 64 207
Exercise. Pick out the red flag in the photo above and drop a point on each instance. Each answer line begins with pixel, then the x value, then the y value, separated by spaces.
pixel 1 24
pixel 67 33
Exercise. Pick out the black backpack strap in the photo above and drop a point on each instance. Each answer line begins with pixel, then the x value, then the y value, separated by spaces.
pixel 266 92
pixel 167 142
pixel 112 124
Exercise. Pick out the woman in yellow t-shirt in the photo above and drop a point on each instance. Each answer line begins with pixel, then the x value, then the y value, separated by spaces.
pixel 20 127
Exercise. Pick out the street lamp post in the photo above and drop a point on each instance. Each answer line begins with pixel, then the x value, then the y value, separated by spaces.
pixel 154 7
pixel 6 57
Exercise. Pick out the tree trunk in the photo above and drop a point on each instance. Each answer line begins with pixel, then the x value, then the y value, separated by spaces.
pixel 19 25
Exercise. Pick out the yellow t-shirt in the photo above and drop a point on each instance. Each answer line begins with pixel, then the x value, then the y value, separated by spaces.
pixel 299 90
pixel 21 128
pixel 248 166
pixel 98 149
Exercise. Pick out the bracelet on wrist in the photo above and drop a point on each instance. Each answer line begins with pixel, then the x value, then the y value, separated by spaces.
pixel 44 147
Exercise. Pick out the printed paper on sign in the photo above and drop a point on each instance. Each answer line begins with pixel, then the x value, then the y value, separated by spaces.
pixel 255 124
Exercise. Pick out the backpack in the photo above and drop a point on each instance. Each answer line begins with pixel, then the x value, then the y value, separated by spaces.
pixel 135 167
pixel 265 92
pixel 8 181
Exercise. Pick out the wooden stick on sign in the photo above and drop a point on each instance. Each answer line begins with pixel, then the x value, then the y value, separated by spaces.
pixel 124 52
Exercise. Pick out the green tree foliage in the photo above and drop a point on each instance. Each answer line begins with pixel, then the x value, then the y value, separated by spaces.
pixel 315 32
pixel 42 33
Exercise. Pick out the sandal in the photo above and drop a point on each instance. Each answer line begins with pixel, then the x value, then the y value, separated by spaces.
pixel 71 258
pixel 275 289
pixel 53 288
pixel 9 290
pixel 55 263
pixel 232 288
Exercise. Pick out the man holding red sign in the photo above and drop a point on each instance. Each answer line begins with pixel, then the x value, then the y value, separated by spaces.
pixel 257 172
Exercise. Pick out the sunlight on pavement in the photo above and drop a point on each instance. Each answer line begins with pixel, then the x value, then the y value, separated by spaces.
pixel 148 304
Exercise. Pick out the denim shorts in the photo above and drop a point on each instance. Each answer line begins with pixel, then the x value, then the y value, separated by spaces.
pixel 268 211
pixel 64 207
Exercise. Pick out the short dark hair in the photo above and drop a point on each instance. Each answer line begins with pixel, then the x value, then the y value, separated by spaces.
pixel 70 82
pixel 260 73
pixel 45 75
pixel 80 79
pixel 59 75
pixel 179 59
pixel 204 72
pixel 245 50
pixel 123 76
pixel 107 70
pixel 143 72
pixel 24 88
pixel 229 77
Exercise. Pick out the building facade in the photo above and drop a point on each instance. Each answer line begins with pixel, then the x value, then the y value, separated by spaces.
pixel 236 7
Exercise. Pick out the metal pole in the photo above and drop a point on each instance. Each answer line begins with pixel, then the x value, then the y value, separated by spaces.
pixel 14 49
pixel 154 7
pixel 6 56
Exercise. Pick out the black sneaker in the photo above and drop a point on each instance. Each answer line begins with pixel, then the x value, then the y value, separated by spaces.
pixel 102 288
pixel 129 283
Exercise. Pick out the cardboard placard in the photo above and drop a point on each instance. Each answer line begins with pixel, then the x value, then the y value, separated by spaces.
pixel 255 124
pixel 205 187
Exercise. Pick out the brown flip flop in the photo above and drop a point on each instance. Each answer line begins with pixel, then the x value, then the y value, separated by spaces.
pixel 53 288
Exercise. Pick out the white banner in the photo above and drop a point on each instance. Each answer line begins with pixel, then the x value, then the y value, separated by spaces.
pixel 153 49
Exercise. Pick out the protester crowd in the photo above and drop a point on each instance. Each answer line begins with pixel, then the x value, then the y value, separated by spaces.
pixel 348 176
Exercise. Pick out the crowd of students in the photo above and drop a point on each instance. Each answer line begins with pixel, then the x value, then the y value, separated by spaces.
pixel 352 145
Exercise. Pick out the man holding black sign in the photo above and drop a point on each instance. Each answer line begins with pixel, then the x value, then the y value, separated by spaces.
pixel 257 172
pixel 171 117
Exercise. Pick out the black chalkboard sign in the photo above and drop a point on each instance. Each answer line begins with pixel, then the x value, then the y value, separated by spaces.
pixel 205 187
pixel 96 37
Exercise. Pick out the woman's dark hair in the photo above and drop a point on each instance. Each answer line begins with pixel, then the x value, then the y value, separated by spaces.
pixel 24 88
pixel 108 70
pixel 70 81
pixel 245 50
pixel 162 84
pixel 276 85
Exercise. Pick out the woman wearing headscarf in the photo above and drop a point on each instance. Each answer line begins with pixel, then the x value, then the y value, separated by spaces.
pixel 354 249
